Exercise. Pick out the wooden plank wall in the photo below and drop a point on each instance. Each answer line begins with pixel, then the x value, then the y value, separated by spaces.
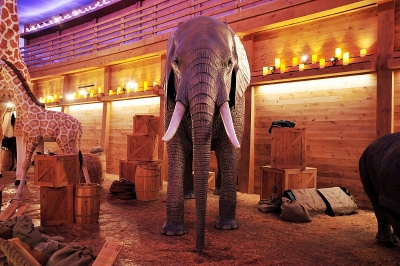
pixel 350 32
pixel 396 96
pixel 121 125
pixel 339 117
pixel 338 113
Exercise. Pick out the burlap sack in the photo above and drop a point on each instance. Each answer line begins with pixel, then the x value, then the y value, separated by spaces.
pixel 72 255
pixel 293 211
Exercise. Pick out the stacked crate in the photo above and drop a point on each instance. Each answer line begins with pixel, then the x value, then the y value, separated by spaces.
pixel 142 155
pixel 56 175
pixel 288 168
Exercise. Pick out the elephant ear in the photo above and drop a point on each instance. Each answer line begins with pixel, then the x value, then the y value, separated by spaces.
pixel 169 83
pixel 242 69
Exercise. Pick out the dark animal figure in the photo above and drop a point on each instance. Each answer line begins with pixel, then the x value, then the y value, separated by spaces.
pixel 380 175
pixel 10 144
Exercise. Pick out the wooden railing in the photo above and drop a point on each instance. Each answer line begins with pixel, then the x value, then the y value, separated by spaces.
pixel 152 19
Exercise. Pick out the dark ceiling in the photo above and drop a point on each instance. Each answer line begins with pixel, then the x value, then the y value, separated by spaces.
pixel 31 11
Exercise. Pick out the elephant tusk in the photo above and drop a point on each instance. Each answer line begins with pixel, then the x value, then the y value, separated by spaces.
pixel 228 124
pixel 179 111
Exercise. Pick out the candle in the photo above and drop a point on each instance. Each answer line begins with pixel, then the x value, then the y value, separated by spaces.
pixel 295 61
pixel 145 86
pixel 110 92
pixel 363 52
pixel 277 62
pixel 314 58
pixel 154 83
pixel 338 53
pixel 301 67
pixel 128 89
pixel 99 90
pixel 283 68
pixel 322 63
pixel 135 86
pixel 265 71
pixel 346 58
pixel 118 90
pixel 91 93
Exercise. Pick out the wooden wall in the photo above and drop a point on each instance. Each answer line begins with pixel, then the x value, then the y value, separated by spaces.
pixel 339 117
pixel 121 121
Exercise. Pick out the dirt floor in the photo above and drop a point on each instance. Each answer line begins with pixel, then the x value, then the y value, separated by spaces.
pixel 262 239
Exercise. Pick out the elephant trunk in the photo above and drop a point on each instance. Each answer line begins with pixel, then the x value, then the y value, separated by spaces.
pixel 202 119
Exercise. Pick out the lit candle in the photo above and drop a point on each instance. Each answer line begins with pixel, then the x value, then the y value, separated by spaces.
pixel 346 58
pixel 99 90
pixel 154 83
pixel 295 61
pixel 265 71
pixel 322 63
pixel 301 67
pixel 110 92
pixel 118 90
pixel 91 93
pixel 338 53
pixel 363 52
pixel 135 86
pixel 145 86
pixel 128 89
pixel 277 62
pixel 283 68
pixel 314 58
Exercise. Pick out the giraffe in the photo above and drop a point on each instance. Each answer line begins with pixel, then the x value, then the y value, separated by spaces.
pixel 33 122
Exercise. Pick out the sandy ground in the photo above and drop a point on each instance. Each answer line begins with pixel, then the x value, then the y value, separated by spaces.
pixel 262 239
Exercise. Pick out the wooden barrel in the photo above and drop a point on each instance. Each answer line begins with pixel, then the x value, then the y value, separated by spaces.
pixel 147 180
pixel 87 203
pixel 6 160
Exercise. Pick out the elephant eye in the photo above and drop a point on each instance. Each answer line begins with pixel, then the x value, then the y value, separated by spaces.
pixel 175 61
pixel 230 62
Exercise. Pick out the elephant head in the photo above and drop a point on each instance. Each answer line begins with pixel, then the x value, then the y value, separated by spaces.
pixel 206 75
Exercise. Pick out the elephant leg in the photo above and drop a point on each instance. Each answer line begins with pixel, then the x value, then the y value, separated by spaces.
pixel 188 185
pixel 217 180
pixel 227 167
pixel 178 153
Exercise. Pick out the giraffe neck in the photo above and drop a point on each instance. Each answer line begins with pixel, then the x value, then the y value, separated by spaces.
pixel 9 36
pixel 17 88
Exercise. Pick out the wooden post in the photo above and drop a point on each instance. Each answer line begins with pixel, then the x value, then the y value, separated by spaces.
pixel 162 149
pixel 384 106
pixel 246 163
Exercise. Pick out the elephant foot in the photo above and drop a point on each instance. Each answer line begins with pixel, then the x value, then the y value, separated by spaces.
pixel 226 224
pixel 216 191
pixel 387 240
pixel 189 194
pixel 173 229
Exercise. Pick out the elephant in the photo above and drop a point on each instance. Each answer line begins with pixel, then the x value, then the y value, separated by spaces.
pixel 379 168
pixel 206 75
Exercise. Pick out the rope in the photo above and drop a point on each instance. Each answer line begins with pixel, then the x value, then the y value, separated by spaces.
pixel 123 189
pixel 13 256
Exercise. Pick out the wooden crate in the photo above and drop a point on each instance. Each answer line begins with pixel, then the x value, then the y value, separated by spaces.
pixel 57 205
pixel 285 179
pixel 127 170
pixel 56 170
pixel 142 147
pixel 146 124
pixel 288 148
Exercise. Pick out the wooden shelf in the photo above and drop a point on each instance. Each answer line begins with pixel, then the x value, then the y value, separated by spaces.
pixel 356 65
pixel 132 95
pixel 81 101
pixel 53 104
pixel 394 62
